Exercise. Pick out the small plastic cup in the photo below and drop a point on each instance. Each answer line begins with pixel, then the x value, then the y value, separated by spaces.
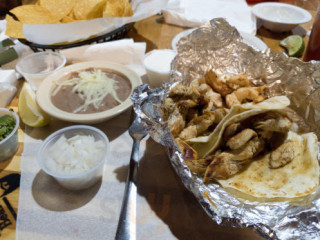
pixel 80 180
pixel 158 66
pixel 37 66
pixel 9 145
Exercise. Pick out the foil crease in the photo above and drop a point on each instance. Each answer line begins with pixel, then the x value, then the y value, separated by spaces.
pixel 218 45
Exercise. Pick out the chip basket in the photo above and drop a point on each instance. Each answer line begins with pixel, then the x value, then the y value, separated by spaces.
pixel 114 35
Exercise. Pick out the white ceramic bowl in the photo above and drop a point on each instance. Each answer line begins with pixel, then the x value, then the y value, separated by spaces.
pixel 48 85
pixel 247 38
pixel 10 144
pixel 280 17
pixel 37 66
pixel 81 180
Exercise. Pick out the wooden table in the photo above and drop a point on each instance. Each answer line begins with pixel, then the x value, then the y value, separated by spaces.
pixel 157 34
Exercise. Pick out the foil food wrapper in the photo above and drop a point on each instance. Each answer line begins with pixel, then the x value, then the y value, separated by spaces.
pixel 218 45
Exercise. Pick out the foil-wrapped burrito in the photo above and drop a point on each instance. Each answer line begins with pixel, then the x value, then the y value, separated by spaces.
pixel 286 211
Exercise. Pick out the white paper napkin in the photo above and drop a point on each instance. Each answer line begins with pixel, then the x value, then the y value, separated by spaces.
pixel 8 82
pixel 8 76
pixel 190 13
pixel 124 51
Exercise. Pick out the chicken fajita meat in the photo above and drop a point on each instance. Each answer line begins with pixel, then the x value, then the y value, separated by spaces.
pixel 240 139
pixel 196 110
pixel 242 143
pixel 282 155
pixel 176 121
pixel 231 162
pixel 192 111
pixel 200 124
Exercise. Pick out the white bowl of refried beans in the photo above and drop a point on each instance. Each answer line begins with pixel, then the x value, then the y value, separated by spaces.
pixel 88 92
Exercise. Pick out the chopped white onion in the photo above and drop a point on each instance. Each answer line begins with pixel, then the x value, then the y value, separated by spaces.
pixel 74 155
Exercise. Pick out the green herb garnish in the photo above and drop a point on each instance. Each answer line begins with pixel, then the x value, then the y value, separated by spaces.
pixel 7 124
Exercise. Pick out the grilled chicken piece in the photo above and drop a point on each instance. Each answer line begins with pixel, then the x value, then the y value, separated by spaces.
pixel 282 155
pixel 240 139
pixel 227 85
pixel 231 130
pixel 250 150
pixel 222 167
pixel 182 92
pixel 190 157
pixel 217 84
pixel 238 81
pixel 199 165
pixel 188 153
pixel 272 122
pixel 169 105
pixel 177 119
pixel 228 163
pixel 178 91
pixel 201 123
pixel 242 95
pixel 176 122
pixel 211 98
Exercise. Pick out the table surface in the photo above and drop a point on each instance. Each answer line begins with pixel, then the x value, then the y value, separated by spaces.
pixel 158 35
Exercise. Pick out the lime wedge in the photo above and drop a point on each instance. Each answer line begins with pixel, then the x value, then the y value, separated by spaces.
pixel 294 45
pixel 29 111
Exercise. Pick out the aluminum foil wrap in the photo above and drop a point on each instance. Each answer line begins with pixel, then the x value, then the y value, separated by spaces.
pixel 218 45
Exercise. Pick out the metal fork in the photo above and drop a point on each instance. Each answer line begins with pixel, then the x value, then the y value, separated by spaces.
pixel 126 229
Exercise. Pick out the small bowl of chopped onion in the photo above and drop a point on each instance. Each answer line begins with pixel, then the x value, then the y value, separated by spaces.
pixel 74 156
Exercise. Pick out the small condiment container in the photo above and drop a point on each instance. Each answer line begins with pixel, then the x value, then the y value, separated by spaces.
pixel 280 17
pixel 158 66
pixel 37 66
pixel 10 144
pixel 80 180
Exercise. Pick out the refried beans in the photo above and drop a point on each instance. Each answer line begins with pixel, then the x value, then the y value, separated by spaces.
pixel 67 100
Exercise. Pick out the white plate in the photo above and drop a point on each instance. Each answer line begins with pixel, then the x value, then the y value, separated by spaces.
pixel 253 41
pixel 248 39
pixel 47 86
pixel 180 35
pixel 280 17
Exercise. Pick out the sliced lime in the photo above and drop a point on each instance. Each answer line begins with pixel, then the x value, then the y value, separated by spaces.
pixel 294 45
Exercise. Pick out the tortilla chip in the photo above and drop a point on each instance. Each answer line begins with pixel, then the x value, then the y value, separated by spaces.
pixel 67 19
pixel 14 28
pixel 71 14
pixel 117 8
pixel 88 9
pixel 33 14
pixel 127 9
pixel 60 8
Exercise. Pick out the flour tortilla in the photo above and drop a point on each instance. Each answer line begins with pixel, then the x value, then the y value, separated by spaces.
pixel 296 179
pixel 206 145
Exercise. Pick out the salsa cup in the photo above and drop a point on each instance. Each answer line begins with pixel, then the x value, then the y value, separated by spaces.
pixel 10 144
